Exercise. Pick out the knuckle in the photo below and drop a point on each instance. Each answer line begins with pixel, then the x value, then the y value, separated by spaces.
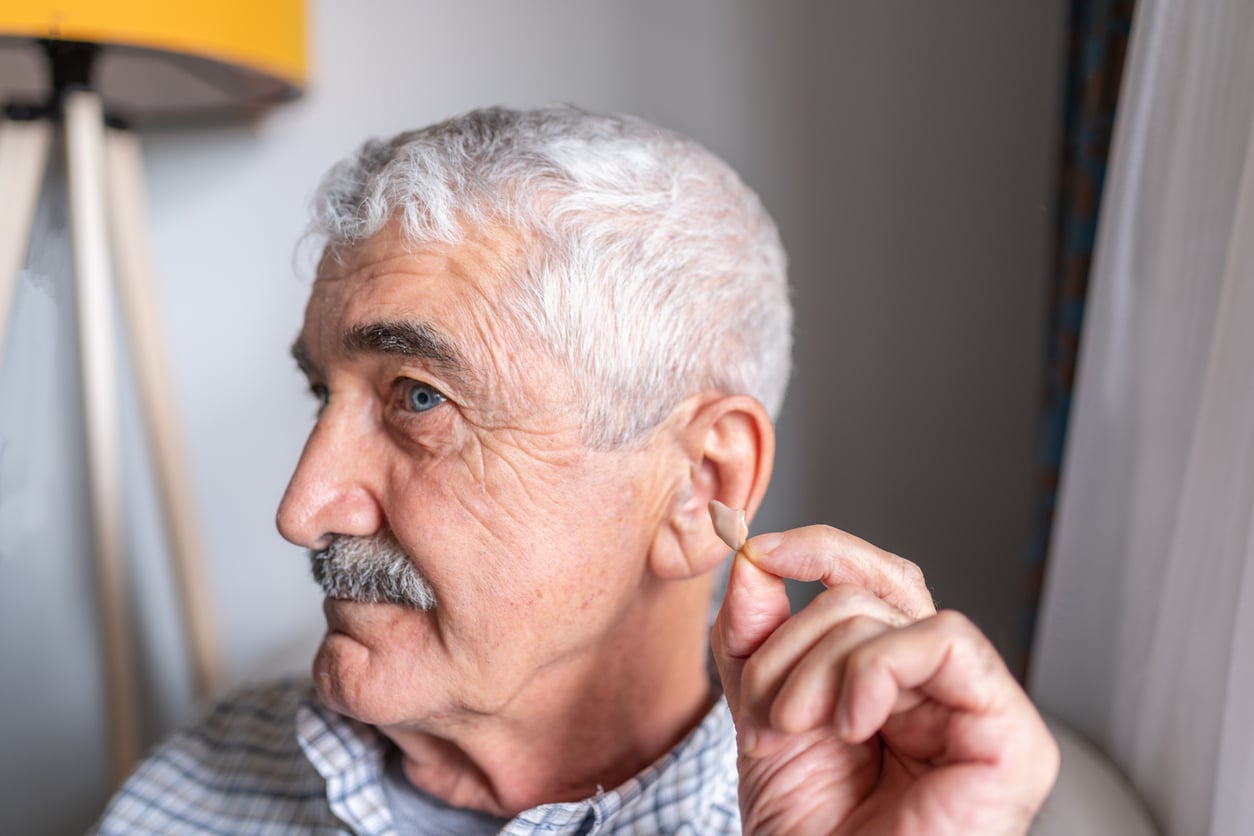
pixel 859 623
pixel 863 659
pixel 968 640
pixel 856 631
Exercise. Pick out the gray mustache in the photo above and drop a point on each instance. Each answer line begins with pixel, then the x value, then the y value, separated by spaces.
pixel 371 570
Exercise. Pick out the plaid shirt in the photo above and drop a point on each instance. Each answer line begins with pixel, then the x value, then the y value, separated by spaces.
pixel 273 760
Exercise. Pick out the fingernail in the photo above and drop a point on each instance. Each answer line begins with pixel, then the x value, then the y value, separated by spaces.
pixel 764 543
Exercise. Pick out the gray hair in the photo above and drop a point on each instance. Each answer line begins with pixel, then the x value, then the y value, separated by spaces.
pixel 650 270
pixel 372 569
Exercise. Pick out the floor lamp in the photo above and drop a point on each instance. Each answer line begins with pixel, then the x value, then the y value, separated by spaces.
pixel 75 69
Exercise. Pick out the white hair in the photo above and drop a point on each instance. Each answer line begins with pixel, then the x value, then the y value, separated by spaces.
pixel 650 270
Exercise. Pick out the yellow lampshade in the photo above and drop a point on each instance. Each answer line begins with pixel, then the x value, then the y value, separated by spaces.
pixel 162 58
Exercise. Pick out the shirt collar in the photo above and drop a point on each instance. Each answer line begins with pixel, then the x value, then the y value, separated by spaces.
pixel 681 784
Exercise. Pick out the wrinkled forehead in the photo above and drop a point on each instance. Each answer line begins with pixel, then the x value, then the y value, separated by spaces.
pixel 493 257
pixel 458 301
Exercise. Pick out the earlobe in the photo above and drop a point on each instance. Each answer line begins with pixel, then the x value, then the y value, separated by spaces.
pixel 728 443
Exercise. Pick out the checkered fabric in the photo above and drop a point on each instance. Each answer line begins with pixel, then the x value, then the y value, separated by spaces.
pixel 273 760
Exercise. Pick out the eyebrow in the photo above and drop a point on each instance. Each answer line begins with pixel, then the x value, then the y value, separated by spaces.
pixel 405 338
pixel 301 355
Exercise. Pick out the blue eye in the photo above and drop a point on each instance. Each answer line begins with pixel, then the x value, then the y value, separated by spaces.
pixel 420 397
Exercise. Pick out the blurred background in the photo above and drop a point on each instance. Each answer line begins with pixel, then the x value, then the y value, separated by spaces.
pixel 908 152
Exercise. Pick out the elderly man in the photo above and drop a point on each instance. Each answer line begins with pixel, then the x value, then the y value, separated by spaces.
pixel 542 342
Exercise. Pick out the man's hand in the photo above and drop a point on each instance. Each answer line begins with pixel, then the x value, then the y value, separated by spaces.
pixel 869 712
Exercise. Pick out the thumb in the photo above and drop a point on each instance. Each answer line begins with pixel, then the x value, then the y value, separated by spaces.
pixel 754 606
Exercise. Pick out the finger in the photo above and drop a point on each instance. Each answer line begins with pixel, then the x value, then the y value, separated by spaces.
pixel 823 553
pixel 945 658
pixel 797 638
pixel 806 699
pixel 976 715
pixel 754 606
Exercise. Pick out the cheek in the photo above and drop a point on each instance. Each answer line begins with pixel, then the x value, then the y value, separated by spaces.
pixel 433 486
pixel 512 499
pixel 514 538
pixel 461 536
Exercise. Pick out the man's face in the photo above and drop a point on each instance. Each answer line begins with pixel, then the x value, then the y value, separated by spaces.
pixel 446 425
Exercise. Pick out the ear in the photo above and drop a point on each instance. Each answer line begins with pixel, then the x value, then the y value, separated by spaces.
pixel 728 445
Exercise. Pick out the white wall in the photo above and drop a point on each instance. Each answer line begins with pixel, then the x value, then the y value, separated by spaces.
pixel 904 148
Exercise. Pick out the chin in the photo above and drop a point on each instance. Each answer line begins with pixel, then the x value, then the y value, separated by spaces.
pixel 339 667
pixel 370 682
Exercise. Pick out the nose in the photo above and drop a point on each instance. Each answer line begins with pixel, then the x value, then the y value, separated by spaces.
pixel 331 490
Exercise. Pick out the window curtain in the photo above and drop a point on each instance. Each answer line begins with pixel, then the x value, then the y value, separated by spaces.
pixel 1146 638
pixel 1097 41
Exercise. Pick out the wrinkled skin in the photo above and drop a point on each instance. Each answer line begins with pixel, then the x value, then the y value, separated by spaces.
pixel 567 646
pixel 868 712
pixel 540 614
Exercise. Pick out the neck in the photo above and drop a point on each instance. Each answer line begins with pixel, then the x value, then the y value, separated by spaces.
pixel 591 723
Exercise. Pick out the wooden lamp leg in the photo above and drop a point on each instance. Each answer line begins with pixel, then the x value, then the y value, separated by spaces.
pixel 23 161
pixel 148 356
pixel 84 129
